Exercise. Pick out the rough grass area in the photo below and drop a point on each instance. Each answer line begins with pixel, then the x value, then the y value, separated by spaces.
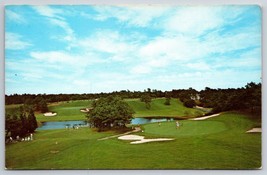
pixel 216 143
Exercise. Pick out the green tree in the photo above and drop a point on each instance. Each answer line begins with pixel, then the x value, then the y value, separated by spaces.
pixel 189 103
pixel 24 124
pixel 110 112
pixel 167 99
pixel 40 104
pixel 43 106
pixel 13 126
pixel 146 98
pixel 32 123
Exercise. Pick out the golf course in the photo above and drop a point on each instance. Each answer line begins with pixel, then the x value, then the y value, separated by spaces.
pixel 219 142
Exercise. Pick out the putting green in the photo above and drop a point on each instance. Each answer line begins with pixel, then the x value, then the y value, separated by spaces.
pixel 187 128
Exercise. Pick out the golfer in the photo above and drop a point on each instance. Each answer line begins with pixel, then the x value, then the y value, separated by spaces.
pixel 177 124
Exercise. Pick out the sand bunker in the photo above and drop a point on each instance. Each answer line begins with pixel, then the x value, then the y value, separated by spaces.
pixel 131 137
pixel 50 114
pixel 85 110
pixel 254 130
pixel 54 151
pixel 140 139
pixel 204 118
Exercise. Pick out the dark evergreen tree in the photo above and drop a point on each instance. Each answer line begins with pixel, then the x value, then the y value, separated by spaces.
pixel 32 122
pixel 24 124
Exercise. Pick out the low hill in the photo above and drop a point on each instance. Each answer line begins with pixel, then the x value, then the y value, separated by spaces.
pixel 70 110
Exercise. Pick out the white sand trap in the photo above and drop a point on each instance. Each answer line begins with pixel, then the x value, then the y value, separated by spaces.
pixel 206 117
pixel 254 130
pixel 151 140
pixel 50 114
pixel 140 139
pixel 199 107
pixel 131 137
pixel 86 110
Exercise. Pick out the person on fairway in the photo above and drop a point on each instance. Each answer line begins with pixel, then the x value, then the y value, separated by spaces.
pixel 177 124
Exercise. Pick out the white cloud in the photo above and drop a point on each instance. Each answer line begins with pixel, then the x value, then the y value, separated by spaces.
pixel 248 60
pixel 14 41
pixel 53 57
pixel 168 50
pixel 172 48
pixel 54 16
pixel 232 42
pixel 141 16
pixel 193 20
pixel 48 11
pixel 63 24
pixel 141 69
pixel 200 66
pixel 197 20
pixel 37 71
pixel 109 42
pixel 111 45
pixel 13 16
pixel 77 61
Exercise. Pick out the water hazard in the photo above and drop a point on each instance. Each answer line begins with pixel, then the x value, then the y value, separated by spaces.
pixel 145 120
pixel 62 124
pixel 81 123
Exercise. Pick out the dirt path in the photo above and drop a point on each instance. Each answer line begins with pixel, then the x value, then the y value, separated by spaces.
pixel 136 129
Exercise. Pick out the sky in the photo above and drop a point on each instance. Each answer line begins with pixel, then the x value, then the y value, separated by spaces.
pixel 92 49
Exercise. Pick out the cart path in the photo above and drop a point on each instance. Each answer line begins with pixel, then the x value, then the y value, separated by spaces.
pixel 205 117
pixel 136 129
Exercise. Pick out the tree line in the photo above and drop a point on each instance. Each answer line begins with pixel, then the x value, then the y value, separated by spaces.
pixel 50 98
pixel 245 98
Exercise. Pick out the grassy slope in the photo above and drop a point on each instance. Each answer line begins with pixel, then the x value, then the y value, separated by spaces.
pixel 219 143
pixel 66 111
pixel 176 109
pixel 71 110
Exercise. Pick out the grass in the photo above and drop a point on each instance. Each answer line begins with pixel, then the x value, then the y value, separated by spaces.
pixel 176 109
pixel 71 110
pixel 216 143
pixel 66 111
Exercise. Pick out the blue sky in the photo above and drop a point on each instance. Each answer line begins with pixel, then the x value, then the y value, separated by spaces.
pixel 90 49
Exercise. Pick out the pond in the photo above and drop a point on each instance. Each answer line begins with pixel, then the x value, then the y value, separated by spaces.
pixel 81 123
pixel 145 120
pixel 62 124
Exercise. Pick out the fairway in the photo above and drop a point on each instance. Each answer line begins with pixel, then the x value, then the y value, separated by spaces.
pixel 176 109
pixel 209 144
pixel 70 110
